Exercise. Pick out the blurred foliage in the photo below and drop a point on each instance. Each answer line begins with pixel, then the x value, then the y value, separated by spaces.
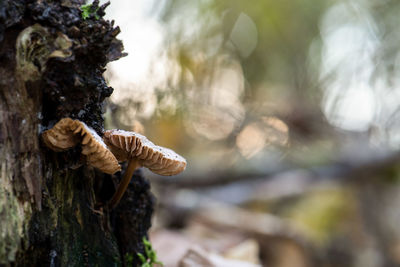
pixel 240 86
pixel 241 81
pixel 229 65
pixel 277 74
pixel 322 214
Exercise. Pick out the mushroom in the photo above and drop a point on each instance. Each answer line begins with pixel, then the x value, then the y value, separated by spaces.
pixel 140 152
pixel 67 133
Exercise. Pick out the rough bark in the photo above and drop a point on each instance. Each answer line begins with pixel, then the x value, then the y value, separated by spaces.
pixel 51 65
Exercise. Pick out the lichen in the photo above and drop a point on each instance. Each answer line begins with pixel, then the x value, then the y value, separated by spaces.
pixel 35 45
pixel 13 217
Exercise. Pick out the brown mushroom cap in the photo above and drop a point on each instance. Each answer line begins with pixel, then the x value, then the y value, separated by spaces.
pixel 68 133
pixel 127 145
pixel 60 138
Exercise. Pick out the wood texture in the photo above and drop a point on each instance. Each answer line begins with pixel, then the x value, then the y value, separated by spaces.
pixel 51 65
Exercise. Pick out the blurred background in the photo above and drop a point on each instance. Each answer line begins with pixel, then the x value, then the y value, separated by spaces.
pixel 288 113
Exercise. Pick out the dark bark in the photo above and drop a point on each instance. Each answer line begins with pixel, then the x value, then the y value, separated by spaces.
pixel 134 205
pixel 51 66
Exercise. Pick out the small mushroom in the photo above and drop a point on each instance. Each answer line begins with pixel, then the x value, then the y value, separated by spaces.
pixel 67 133
pixel 140 152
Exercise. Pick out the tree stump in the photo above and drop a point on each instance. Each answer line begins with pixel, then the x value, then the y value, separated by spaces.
pixel 51 66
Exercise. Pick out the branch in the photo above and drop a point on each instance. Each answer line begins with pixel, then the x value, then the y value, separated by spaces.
pixel 345 169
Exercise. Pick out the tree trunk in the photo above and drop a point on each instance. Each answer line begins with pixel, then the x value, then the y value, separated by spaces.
pixel 51 65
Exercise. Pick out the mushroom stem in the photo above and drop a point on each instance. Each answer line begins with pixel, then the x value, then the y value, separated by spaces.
pixel 123 185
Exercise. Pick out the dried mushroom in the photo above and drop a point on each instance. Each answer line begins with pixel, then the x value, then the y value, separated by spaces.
pixel 67 133
pixel 140 152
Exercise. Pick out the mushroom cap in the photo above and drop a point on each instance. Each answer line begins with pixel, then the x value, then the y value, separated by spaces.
pixel 127 145
pixel 67 133
pixel 60 138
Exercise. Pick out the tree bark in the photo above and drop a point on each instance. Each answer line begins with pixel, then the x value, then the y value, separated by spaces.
pixel 51 65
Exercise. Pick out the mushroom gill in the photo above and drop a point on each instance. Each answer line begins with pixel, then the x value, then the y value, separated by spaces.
pixel 140 152
pixel 67 133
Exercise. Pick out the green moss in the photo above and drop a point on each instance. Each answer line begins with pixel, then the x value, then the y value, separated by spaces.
pixel 88 10
pixel 148 259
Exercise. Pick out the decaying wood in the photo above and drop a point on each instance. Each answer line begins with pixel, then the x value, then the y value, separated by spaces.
pixel 51 65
